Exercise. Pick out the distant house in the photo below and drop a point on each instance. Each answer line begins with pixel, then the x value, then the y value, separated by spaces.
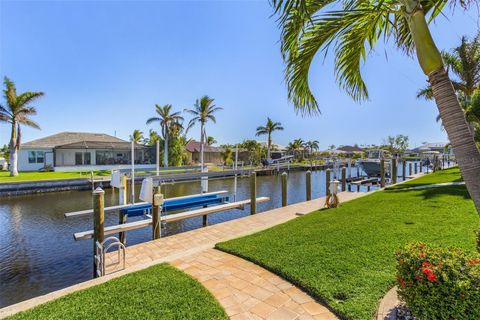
pixel 72 151
pixel 347 151
pixel 434 146
pixel 210 154
pixel 277 150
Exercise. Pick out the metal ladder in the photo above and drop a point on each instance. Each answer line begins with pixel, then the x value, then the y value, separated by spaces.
pixel 101 248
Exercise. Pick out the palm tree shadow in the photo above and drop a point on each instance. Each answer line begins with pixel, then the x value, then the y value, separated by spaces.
pixel 436 192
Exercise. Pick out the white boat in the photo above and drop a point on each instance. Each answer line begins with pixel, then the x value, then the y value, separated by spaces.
pixel 371 165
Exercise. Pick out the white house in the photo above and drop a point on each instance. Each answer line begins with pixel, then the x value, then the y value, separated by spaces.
pixel 82 151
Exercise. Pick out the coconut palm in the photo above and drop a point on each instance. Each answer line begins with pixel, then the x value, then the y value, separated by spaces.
pixel 203 110
pixel 312 145
pixel 136 136
pixel 211 141
pixel 17 112
pixel 168 121
pixel 463 62
pixel 351 28
pixel 268 129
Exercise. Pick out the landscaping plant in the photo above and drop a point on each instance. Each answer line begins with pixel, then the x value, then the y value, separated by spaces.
pixel 439 283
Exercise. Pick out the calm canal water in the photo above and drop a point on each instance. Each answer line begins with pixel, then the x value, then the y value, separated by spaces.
pixel 38 253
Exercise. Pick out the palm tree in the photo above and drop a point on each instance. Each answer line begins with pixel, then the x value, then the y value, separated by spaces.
pixel 167 120
pixel 136 136
pixel 312 145
pixel 203 110
pixel 352 28
pixel 464 63
pixel 268 129
pixel 295 146
pixel 211 141
pixel 17 112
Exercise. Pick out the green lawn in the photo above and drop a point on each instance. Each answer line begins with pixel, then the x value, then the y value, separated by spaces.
pixel 39 176
pixel 442 176
pixel 159 292
pixel 345 257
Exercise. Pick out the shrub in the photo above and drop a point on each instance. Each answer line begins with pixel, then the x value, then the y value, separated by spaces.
pixel 439 283
pixel 477 238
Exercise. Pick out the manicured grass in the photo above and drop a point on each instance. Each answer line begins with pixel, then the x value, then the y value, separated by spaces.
pixel 345 257
pixel 39 176
pixel 442 176
pixel 159 292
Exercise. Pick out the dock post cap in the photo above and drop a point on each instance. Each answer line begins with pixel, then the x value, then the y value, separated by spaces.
pixel 284 173
pixel 98 190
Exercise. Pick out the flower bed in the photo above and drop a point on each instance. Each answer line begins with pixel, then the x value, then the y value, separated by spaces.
pixel 439 283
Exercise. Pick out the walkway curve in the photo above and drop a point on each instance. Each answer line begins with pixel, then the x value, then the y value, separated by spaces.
pixel 247 291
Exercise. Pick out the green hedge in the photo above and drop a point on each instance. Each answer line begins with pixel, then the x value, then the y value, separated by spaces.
pixel 439 283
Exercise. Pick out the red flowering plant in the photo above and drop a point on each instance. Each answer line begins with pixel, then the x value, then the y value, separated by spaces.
pixel 439 283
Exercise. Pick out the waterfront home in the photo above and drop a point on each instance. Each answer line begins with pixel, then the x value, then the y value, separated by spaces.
pixel 81 151
pixel 434 146
pixel 211 154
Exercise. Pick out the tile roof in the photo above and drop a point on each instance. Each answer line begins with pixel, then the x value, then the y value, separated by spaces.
pixel 67 138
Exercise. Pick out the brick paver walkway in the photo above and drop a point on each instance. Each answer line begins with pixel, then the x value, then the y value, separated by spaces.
pixel 186 243
pixel 247 291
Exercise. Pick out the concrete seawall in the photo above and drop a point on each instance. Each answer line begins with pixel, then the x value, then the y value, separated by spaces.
pixel 22 188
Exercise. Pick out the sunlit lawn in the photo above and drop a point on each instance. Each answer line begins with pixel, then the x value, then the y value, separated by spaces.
pixel 345 256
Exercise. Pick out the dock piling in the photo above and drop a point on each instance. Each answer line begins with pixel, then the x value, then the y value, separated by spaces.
pixel 416 167
pixel 344 178
pixel 122 200
pixel 284 189
pixel 382 173
pixel 394 171
pixel 98 196
pixel 309 185
pixel 404 168
pixel 410 171
pixel 327 181
pixel 253 193
pixel 156 211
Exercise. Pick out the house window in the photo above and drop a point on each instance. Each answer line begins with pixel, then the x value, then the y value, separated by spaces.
pixel 78 158
pixel 40 157
pixel 36 156
pixel 86 158
pixel 32 156
pixel 82 158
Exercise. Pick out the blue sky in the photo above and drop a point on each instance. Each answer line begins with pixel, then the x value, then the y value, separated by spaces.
pixel 104 65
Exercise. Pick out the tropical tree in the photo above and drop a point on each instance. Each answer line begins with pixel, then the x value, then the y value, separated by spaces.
pixel 152 138
pixel 351 28
pixel 17 111
pixel 136 136
pixel 203 110
pixel 397 144
pixel 312 145
pixel 211 141
pixel 331 147
pixel 227 155
pixel 295 146
pixel 268 129
pixel 168 121
pixel 463 62
pixel 255 151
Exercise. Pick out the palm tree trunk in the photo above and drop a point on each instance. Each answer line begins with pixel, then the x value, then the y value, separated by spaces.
pixel 451 113
pixel 13 151
pixel 202 137
pixel 269 145
pixel 165 151
pixel 458 131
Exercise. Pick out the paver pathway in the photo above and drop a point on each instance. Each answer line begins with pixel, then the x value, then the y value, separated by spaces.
pixel 186 243
pixel 247 291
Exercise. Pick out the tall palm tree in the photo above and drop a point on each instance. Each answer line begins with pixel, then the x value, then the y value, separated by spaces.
pixel 137 136
pixel 203 110
pixel 17 112
pixel 168 121
pixel 268 129
pixel 351 28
